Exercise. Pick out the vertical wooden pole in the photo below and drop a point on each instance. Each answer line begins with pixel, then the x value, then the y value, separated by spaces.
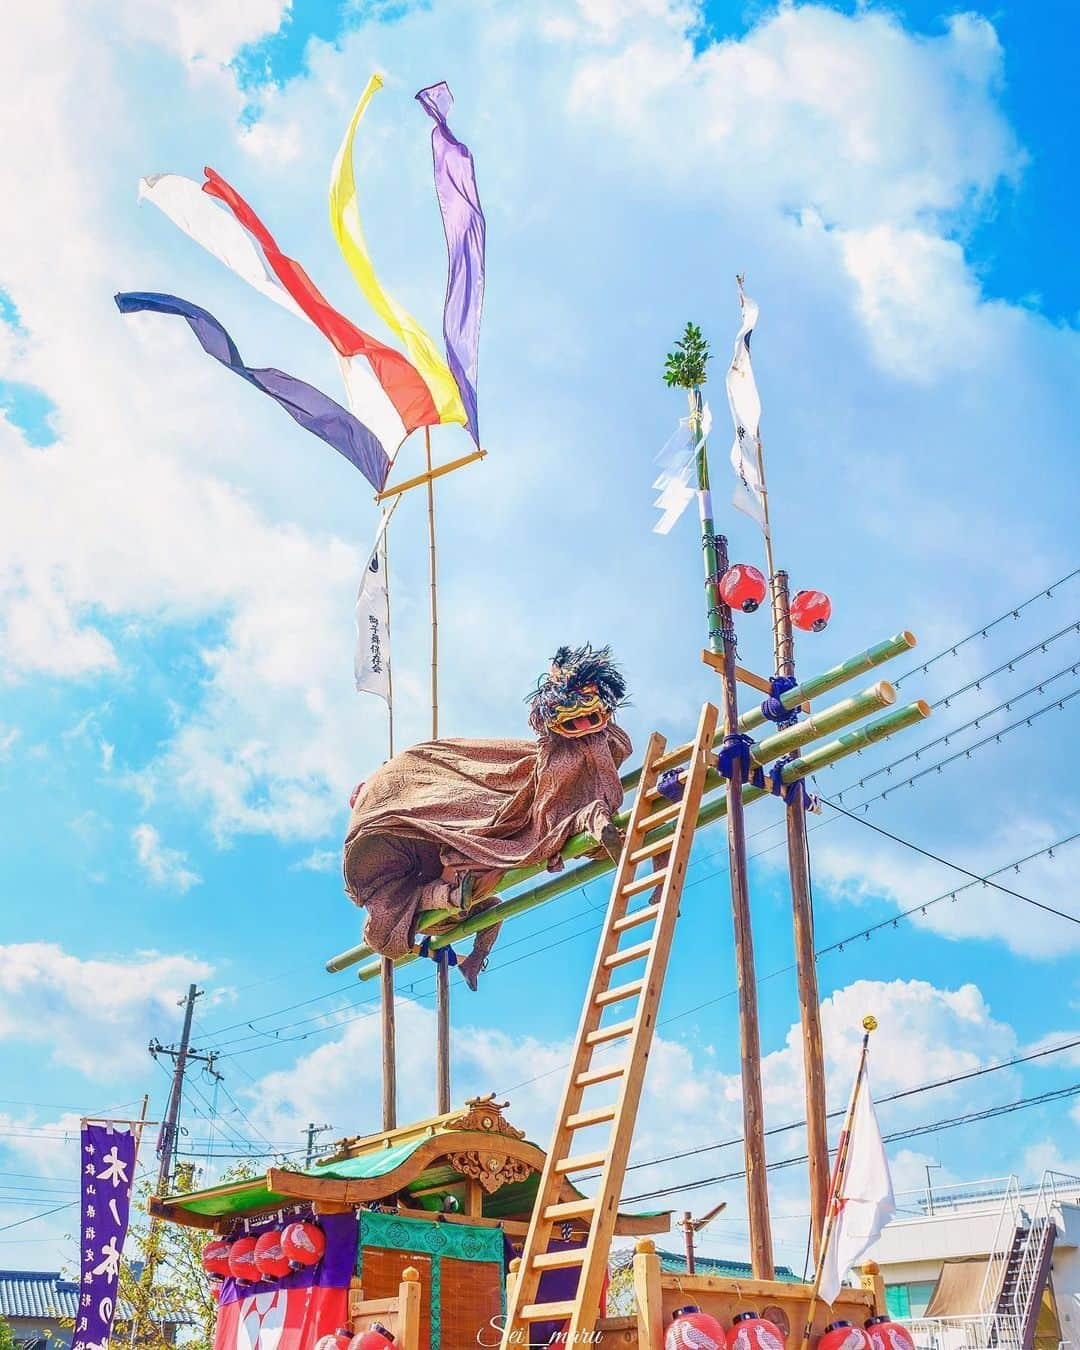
pixel 757 1189
pixel 389 1047
pixel 389 657
pixel 434 594
pixel 648 1295
pixel 442 1017
pixel 817 1138
pixel 408 1329
pixel 688 1234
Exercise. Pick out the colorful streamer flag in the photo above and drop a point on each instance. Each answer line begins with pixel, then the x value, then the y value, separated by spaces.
pixel 108 1170
pixel 371 664
pixel 221 233
pixel 313 410
pixel 863 1199
pixel 297 1311
pixel 746 414
pixel 676 460
pixel 465 230
pixel 349 233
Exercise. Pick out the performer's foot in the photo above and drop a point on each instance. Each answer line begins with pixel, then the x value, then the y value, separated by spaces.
pixel 469 968
pixel 612 840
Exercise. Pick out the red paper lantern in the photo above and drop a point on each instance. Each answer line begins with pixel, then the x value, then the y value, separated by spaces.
pixel 691 1329
pixel 885 1334
pixel 242 1265
pixel 742 587
pixel 336 1340
pixel 843 1336
pixel 811 611
pixel 375 1338
pixel 270 1259
pixel 303 1244
pixel 748 1331
pixel 215 1258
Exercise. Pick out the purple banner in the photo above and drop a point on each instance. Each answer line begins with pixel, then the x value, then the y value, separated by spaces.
pixel 465 230
pixel 108 1167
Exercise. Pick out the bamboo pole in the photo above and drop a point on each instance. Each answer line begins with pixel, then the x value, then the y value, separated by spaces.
pixel 442 1015
pixel 757 1189
pixel 802 693
pixel 817 1138
pixel 827 721
pixel 434 593
pixel 898 719
pixel 389 1045
pixel 839 1175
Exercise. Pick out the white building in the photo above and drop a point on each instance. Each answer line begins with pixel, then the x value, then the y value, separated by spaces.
pixel 990 1264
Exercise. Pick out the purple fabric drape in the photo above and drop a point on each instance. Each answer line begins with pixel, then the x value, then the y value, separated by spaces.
pixel 108 1166
pixel 305 404
pixel 465 228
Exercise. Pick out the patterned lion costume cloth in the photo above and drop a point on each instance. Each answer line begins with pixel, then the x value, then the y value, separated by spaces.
pixel 438 825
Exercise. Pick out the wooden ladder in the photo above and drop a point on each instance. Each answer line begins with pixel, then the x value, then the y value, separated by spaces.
pixel 669 856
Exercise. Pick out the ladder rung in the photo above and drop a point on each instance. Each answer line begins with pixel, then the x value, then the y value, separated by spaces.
pixel 547 1312
pixel 611 1033
pixel 670 758
pixel 581 1120
pixel 620 992
pixel 581 1163
pixel 642 915
pixel 659 818
pixel 592 1076
pixel 652 850
pixel 570 1209
pixel 628 954
pixel 648 882
pixel 573 1256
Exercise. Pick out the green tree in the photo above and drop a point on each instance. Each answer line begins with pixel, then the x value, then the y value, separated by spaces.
pixel 684 368
pixel 7 1336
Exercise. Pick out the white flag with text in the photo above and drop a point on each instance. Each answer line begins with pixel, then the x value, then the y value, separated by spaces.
pixel 371 664
pixel 745 407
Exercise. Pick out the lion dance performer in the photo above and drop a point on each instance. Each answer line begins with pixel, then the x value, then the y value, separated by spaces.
pixel 438 825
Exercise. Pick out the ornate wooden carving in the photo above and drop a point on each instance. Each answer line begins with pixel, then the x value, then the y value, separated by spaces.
pixel 485 1114
pixel 491 1169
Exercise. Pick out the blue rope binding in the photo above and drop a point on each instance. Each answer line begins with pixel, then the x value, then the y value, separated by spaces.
pixel 735 747
pixel 668 785
pixel 440 954
pixel 772 708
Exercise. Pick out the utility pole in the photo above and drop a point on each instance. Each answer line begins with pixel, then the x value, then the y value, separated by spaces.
pixel 181 1055
pixel 312 1131
pixel 692 1226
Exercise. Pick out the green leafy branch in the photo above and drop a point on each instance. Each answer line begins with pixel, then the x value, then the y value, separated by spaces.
pixel 684 368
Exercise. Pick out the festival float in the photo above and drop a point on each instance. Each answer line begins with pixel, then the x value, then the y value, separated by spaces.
pixel 457 1231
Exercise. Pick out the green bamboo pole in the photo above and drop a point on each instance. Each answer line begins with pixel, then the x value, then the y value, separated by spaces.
pixel 859 738
pixel 824 723
pixel 807 690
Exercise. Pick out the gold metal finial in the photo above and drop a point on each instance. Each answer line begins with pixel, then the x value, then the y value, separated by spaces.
pixel 869 1022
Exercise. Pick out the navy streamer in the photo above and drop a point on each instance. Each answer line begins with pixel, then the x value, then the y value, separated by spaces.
pixel 735 748
pixel 445 954
pixel 668 785
pixel 772 708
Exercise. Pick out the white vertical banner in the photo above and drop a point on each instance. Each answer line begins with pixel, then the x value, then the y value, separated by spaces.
pixel 371 664
pixel 745 404
pixel 676 461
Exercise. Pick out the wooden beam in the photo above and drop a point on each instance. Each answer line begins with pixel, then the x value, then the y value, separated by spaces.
pixel 422 478
pixel 716 662
pixel 648 1296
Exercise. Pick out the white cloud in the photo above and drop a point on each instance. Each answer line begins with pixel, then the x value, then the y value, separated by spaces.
pixel 318 860
pixel 164 866
pixel 94 1016
pixel 8 737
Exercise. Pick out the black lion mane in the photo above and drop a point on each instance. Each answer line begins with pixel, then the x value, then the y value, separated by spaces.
pixel 572 668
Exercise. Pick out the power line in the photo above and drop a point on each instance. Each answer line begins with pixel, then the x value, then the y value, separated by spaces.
pixel 956 867
pixel 1009 665
pixel 933 1127
pixel 1013 613
pixel 974 722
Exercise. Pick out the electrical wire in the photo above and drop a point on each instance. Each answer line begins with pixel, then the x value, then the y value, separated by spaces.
pixel 956 867
pixel 1013 613
pixel 933 1127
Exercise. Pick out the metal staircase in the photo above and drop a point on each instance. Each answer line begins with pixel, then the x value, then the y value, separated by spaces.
pixel 656 894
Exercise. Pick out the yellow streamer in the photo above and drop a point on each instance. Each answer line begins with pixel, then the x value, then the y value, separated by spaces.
pixel 345 222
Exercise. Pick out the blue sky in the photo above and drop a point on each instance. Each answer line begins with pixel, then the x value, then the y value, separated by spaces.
pixel 178 733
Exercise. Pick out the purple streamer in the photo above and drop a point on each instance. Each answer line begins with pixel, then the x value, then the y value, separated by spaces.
pixel 465 229
pixel 305 404
pixel 107 1162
